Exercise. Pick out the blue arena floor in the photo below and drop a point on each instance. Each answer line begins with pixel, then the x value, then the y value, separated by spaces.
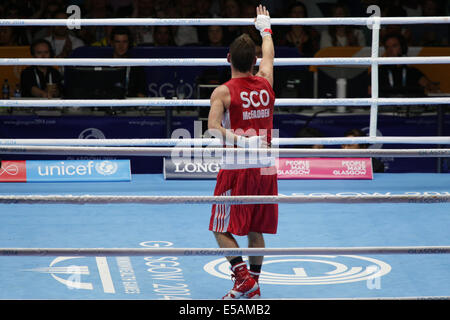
pixel 182 226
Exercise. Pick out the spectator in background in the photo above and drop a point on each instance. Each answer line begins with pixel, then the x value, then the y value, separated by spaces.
pixel 7 37
pixel 309 132
pixel 41 81
pixel 185 35
pixel 413 8
pixel 20 36
pixel 396 10
pixel 305 38
pixel 143 35
pixel 202 10
pixel 428 35
pixel 47 10
pixel 341 36
pixel 401 79
pixel 377 164
pixel 162 36
pixel 63 42
pixel 248 11
pixel 215 37
pixel 95 9
pixel 106 40
pixel 231 9
pixel 121 42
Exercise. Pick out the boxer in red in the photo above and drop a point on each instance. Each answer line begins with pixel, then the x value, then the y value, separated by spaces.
pixel 242 113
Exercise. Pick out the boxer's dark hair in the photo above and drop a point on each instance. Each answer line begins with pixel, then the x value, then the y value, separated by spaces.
pixel 242 53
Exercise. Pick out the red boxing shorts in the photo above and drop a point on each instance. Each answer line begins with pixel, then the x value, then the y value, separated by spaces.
pixel 242 219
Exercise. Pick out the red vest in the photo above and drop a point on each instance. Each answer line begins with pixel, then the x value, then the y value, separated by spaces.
pixel 251 107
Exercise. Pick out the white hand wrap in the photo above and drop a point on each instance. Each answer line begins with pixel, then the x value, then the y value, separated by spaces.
pixel 262 24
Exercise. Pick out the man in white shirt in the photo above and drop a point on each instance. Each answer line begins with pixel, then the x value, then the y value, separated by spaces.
pixel 63 43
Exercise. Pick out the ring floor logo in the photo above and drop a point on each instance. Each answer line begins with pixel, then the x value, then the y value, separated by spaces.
pixel 74 272
pixel 311 270
pixel 162 277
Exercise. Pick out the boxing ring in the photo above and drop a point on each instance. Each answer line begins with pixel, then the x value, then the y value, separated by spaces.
pixel 148 238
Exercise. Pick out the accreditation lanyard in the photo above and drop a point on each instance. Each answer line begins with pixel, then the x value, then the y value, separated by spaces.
pixel 127 79
pixel 38 80
pixel 391 78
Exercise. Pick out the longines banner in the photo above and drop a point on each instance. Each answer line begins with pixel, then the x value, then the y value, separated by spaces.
pixel 65 171
pixel 193 169
pixel 287 168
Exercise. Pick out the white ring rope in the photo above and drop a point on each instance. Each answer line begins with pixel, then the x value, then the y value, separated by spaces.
pixel 343 198
pixel 374 78
pixel 218 142
pixel 222 251
pixel 367 21
pixel 218 152
pixel 183 62
pixel 282 102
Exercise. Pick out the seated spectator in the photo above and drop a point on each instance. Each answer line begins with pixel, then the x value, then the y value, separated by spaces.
pixel 231 9
pixel 305 38
pixel 215 37
pixel 413 8
pixel 395 10
pixel 342 36
pixel 7 37
pixel 377 164
pixel 401 79
pixel 248 11
pixel 184 35
pixel 46 10
pixel 121 42
pixel 163 36
pixel 41 81
pixel 62 41
pixel 309 132
pixel 19 36
pixel 428 35
pixel 143 35
pixel 94 9
pixel 202 10
pixel 106 40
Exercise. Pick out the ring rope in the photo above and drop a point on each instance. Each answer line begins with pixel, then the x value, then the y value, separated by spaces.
pixel 218 142
pixel 343 198
pixel 183 62
pixel 282 102
pixel 364 21
pixel 222 251
pixel 185 152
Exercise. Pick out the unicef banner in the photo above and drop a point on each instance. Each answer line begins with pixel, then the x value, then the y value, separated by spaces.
pixel 67 171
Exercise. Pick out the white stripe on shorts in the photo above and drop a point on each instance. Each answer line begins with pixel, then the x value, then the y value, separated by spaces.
pixel 222 215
